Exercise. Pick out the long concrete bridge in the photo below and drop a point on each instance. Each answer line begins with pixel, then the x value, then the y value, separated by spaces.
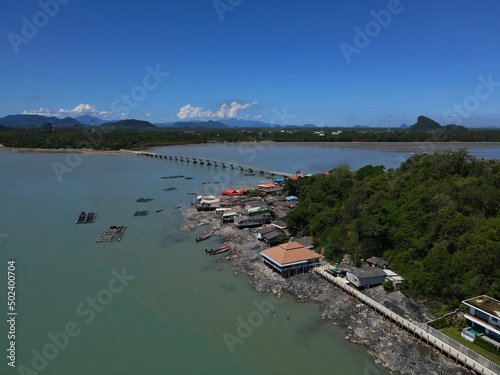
pixel 212 162
pixel 445 345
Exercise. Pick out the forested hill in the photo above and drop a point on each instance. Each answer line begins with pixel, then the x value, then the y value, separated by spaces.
pixel 435 218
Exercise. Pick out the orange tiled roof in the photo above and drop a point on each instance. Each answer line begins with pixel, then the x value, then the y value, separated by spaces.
pixel 290 252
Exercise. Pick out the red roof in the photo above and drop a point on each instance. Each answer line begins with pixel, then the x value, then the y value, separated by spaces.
pixel 231 192
pixel 291 252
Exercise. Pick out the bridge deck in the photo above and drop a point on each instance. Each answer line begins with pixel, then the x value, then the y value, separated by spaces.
pixel 215 161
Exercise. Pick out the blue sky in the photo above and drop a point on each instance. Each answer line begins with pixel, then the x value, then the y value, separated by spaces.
pixel 283 61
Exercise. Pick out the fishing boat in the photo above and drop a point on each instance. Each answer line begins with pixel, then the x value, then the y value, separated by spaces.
pixel 204 237
pixel 221 250
pixel 271 312
pixel 217 250
pixel 177 206
pixel 160 210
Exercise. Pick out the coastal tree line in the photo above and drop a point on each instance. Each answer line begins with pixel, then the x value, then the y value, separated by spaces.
pixel 100 139
pixel 435 219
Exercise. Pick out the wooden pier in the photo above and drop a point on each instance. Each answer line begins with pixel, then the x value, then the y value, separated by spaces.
pixel 113 233
pixel 86 218
pixel 212 162
pixel 478 364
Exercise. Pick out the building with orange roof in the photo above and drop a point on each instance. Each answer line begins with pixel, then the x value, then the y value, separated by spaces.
pixel 290 258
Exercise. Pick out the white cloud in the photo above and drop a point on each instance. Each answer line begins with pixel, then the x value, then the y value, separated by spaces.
pixel 225 111
pixel 149 115
pixel 42 112
pixel 79 110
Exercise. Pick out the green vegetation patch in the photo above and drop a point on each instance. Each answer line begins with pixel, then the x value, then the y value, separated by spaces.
pixel 435 219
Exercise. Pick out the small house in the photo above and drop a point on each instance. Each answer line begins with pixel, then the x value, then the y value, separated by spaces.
pixel 483 319
pixel 260 210
pixel 279 224
pixel 248 221
pixel 290 259
pixel 378 262
pixel 306 242
pixel 269 235
pixel 366 276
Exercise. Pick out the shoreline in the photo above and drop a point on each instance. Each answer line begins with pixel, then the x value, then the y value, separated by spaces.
pixel 403 147
pixel 398 147
pixel 65 150
pixel 393 349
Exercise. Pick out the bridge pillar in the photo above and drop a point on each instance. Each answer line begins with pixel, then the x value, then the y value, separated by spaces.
pixel 202 162
pixel 223 165
pixel 208 163
pixel 241 168
pixel 195 161
pixel 232 166
pixel 261 172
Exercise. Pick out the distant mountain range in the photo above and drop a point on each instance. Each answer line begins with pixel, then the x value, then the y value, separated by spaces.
pixel 128 125
pixel 199 125
pixel 36 121
pixel 87 120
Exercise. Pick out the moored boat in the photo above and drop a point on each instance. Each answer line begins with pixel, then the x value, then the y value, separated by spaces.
pixel 204 237
pixel 160 210
pixel 217 250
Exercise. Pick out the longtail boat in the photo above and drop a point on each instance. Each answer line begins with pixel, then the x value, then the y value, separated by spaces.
pixel 221 250
pixel 216 250
pixel 204 237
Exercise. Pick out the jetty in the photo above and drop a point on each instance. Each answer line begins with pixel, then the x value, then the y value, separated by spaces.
pixel 113 233
pixel 212 162
pixel 86 217
pixel 447 346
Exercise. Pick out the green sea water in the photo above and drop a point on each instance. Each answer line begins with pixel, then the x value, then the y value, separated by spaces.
pixel 153 303
pixel 177 311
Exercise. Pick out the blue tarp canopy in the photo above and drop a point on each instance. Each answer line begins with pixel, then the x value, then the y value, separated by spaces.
pixel 291 198
pixel 279 179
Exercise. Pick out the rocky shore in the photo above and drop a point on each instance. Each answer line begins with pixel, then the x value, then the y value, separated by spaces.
pixel 392 348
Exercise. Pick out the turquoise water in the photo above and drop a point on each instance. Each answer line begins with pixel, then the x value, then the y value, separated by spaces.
pixel 321 157
pixel 183 312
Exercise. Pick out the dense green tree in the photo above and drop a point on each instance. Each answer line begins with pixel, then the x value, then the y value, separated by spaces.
pixel 435 218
